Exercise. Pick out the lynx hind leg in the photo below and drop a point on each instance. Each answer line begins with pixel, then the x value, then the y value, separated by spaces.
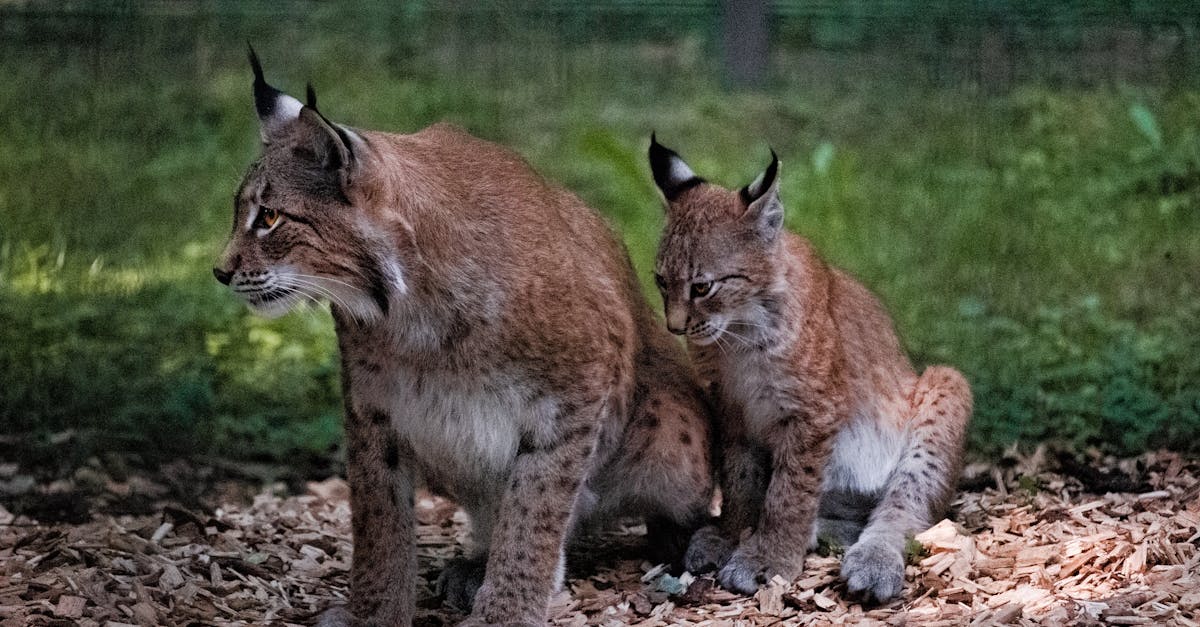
pixel 918 489
pixel 462 576
pixel 664 468
pixel 460 580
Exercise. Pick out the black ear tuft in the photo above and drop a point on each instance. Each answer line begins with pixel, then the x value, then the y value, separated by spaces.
pixel 255 66
pixel 310 96
pixel 264 94
pixel 671 173
pixel 276 110
pixel 764 211
pixel 755 190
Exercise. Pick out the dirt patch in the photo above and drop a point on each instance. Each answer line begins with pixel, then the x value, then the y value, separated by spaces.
pixel 1027 546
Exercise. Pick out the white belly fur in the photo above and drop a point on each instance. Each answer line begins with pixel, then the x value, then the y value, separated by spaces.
pixel 865 452
pixel 463 432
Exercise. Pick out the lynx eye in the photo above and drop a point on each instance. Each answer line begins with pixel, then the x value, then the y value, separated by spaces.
pixel 267 217
pixel 701 289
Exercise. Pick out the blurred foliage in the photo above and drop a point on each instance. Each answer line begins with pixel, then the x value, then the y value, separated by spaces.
pixel 1039 235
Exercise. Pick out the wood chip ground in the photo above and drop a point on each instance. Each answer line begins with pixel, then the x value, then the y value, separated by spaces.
pixel 1033 547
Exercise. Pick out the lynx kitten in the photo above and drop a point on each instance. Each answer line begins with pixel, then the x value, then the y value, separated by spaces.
pixel 824 424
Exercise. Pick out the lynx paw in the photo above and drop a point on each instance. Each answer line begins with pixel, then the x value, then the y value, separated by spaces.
pixel 460 581
pixel 875 569
pixel 745 572
pixel 708 551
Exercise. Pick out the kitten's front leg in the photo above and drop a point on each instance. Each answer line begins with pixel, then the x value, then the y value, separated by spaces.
pixel 800 450
pixel 384 569
pixel 525 561
pixel 744 476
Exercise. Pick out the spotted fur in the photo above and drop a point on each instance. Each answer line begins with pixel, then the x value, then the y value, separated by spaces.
pixel 494 344
pixel 821 414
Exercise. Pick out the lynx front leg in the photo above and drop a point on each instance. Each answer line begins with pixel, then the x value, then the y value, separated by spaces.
pixel 525 561
pixel 384 569
pixel 918 488
pixel 785 529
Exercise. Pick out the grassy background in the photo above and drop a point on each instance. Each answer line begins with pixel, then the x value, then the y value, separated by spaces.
pixel 1035 226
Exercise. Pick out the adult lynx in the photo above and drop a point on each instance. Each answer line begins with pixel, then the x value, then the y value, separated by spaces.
pixel 820 413
pixel 494 346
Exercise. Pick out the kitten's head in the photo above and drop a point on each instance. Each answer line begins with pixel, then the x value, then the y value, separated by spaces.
pixel 717 253
pixel 298 234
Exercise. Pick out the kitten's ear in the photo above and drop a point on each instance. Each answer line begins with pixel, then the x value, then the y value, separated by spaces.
pixel 275 108
pixel 671 174
pixel 763 208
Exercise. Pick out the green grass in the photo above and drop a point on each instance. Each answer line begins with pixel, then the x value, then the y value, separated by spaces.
pixel 1043 240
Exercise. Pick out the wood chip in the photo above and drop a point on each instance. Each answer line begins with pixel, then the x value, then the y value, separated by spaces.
pixel 70 607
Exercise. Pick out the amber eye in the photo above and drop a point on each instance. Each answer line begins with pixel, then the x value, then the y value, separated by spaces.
pixel 702 289
pixel 267 217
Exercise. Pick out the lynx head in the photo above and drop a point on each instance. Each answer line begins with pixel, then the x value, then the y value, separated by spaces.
pixel 299 230
pixel 716 256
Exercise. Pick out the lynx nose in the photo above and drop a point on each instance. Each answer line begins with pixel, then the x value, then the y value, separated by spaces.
pixel 222 275
pixel 676 319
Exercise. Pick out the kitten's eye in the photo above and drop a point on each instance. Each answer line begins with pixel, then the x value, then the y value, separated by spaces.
pixel 660 282
pixel 700 290
pixel 267 217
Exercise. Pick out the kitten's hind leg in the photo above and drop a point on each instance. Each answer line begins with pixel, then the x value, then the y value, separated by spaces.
pixel 918 489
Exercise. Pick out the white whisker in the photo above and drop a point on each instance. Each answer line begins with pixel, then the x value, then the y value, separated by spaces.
pixel 320 278
pixel 297 281
pixel 720 345
pixel 742 338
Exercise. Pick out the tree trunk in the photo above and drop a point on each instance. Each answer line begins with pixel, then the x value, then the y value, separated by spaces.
pixel 746 42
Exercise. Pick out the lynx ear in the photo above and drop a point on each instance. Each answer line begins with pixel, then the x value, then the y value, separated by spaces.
pixel 671 174
pixel 322 142
pixel 763 208
pixel 275 108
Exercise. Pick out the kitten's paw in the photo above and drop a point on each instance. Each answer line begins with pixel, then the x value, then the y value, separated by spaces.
pixel 337 617
pixel 874 569
pixel 745 572
pixel 708 551
pixel 460 581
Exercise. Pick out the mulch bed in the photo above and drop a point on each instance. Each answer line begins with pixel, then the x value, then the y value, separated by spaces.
pixel 1034 540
